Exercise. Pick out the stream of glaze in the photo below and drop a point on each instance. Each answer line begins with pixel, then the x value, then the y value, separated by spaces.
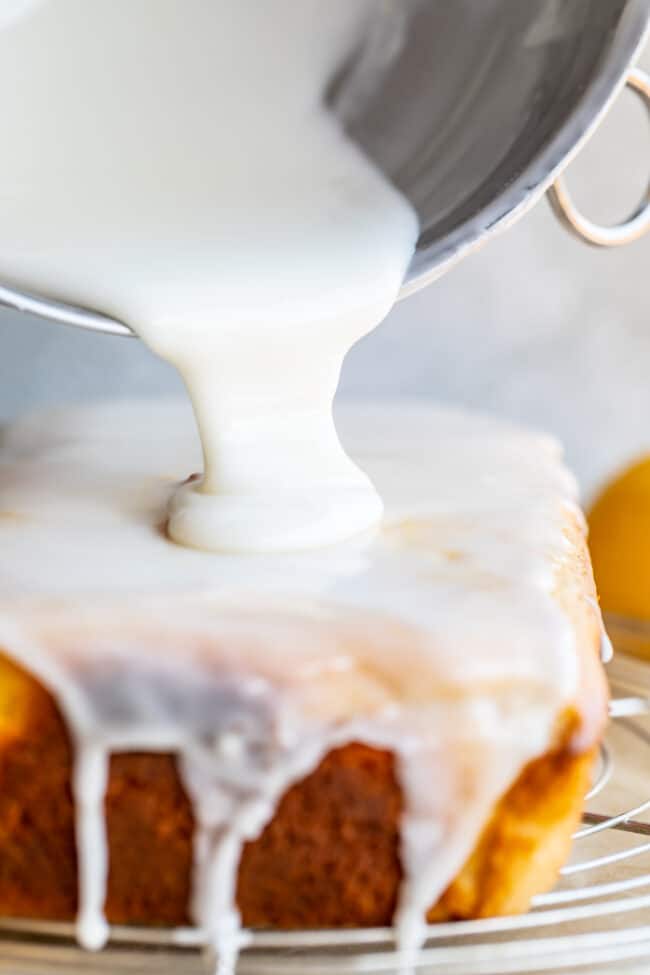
pixel 176 165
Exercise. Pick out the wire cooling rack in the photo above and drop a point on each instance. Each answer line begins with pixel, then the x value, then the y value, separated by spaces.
pixel 596 920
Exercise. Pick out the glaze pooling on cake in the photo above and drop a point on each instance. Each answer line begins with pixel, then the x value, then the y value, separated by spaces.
pixel 437 636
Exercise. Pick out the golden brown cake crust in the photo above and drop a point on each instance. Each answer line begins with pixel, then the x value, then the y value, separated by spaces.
pixel 329 857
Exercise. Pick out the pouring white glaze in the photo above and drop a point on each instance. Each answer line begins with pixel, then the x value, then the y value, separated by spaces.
pixel 174 164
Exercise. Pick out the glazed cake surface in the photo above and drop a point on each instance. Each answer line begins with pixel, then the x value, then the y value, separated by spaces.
pixel 397 725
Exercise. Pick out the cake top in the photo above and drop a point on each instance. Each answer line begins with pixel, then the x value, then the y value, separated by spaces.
pixel 474 507
pixel 467 556
pixel 448 634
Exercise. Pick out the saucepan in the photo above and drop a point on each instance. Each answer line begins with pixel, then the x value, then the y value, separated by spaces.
pixel 473 108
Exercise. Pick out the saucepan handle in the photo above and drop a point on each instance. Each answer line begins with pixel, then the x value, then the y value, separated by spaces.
pixel 592 233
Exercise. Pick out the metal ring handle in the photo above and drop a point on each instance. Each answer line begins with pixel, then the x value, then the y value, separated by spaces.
pixel 580 226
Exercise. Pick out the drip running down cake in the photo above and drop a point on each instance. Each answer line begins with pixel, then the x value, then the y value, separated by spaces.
pixel 397 728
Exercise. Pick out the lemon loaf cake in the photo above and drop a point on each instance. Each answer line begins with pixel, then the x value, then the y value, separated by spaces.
pixel 398 727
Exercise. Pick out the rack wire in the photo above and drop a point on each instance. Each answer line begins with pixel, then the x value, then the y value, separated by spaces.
pixel 597 919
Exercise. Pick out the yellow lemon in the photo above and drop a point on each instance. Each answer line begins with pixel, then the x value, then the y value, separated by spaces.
pixel 619 539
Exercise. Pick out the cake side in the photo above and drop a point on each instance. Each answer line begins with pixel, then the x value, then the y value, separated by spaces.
pixel 328 858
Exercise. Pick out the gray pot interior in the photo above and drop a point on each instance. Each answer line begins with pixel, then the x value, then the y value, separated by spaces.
pixel 484 100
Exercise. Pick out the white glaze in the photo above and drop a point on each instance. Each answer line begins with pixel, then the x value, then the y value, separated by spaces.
pixel 437 635
pixel 187 178
pixel 606 646
pixel 90 779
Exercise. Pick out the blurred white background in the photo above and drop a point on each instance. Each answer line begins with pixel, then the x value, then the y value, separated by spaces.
pixel 536 326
